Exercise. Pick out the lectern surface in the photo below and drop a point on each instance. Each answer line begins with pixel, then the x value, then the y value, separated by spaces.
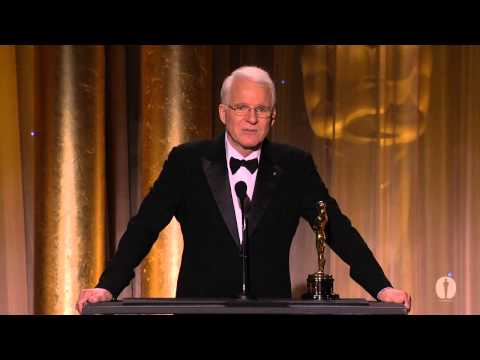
pixel 233 306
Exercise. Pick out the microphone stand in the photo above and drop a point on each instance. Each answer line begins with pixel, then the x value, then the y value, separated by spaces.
pixel 241 190
pixel 245 205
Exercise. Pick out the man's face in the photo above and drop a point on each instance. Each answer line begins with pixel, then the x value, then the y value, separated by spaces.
pixel 247 132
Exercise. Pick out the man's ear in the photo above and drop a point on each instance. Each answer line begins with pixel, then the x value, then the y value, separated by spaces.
pixel 273 118
pixel 222 113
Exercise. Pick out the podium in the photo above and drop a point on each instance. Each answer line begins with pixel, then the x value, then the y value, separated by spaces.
pixel 157 306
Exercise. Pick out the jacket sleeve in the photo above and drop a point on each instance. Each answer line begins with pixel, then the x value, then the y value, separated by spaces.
pixel 154 214
pixel 342 237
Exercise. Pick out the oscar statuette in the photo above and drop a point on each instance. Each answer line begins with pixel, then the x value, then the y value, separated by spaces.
pixel 320 284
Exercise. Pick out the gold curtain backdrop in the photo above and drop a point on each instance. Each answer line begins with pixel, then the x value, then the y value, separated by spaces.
pixel 86 129
pixel 70 176
pixel 175 108
pixel 13 250
pixel 392 130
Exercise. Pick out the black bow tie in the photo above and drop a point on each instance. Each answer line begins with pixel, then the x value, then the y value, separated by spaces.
pixel 251 165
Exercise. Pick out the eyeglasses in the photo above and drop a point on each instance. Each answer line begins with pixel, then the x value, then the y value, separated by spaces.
pixel 243 109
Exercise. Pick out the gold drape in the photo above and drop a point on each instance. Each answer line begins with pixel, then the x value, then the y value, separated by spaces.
pixel 117 159
pixel 371 102
pixel 70 176
pixel 27 71
pixel 175 108
pixel 394 131
pixel 13 265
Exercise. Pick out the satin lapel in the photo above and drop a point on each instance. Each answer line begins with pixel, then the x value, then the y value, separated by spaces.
pixel 268 177
pixel 215 169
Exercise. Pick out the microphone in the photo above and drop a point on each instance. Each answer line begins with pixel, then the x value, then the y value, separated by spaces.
pixel 241 191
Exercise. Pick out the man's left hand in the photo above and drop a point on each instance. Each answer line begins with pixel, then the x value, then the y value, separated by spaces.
pixel 396 296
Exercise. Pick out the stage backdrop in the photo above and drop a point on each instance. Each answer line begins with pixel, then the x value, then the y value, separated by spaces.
pixel 85 131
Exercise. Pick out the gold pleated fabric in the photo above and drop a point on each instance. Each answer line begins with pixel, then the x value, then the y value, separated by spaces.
pixel 175 108
pixel 13 265
pixel 70 176
pixel 371 101
pixel 117 158
pixel 394 130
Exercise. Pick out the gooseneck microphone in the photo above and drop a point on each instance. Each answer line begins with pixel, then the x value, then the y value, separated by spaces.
pixel 241 191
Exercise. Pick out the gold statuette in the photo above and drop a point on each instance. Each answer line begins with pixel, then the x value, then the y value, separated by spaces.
pixel 319 284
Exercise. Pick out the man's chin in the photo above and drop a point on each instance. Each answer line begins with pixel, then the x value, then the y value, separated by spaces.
pixel 252 147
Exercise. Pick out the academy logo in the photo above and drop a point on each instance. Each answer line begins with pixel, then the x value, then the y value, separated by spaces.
pixel 446 287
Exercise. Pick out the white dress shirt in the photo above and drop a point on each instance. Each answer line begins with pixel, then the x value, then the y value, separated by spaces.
pixel 242 174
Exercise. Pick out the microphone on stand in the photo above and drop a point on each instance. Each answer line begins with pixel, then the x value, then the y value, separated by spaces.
pixel 241 191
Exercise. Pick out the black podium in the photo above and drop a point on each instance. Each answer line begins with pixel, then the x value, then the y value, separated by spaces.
pixel 151 306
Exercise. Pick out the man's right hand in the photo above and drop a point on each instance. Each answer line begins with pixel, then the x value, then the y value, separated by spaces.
pixel 92 296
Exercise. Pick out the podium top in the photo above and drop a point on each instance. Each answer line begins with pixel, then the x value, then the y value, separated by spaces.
pixel 235 306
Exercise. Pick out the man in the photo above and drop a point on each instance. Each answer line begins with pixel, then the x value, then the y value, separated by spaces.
pixel 197 186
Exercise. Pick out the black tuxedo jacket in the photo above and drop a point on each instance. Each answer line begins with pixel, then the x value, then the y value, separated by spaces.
pixel 193 186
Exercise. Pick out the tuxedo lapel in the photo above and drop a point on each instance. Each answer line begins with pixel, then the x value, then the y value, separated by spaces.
pixel 215 168
pixel 269 174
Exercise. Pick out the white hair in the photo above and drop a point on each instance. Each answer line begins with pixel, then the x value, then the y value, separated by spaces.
pixel 252 73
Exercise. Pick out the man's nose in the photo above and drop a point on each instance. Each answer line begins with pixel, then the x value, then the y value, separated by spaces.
pixel 252 116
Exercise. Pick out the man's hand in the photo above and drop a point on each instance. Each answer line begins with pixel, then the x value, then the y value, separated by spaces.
pixel 92 296
pixel 395 296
